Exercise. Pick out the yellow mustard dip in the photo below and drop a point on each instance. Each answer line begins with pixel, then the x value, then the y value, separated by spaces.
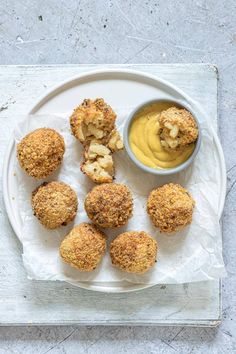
pixel 144 140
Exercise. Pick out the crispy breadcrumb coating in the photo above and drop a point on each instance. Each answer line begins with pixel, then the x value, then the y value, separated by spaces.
pixel 170 207
pixel 133 252
pixel 109 205
pixel 93 120
pixel 84 247
pixel 54 204
pixel 41 152
pixel 178 128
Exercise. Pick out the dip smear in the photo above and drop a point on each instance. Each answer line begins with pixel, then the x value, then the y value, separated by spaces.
pixel 162 136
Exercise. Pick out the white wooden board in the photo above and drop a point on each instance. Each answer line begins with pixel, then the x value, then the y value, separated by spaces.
pixel 31 302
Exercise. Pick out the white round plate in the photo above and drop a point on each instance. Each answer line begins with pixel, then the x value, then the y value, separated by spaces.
pixel 127 86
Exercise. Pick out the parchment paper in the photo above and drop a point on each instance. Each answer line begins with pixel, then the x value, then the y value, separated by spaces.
pixel 194 254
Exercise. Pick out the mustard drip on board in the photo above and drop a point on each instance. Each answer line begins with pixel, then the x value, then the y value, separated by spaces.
pixel 144 140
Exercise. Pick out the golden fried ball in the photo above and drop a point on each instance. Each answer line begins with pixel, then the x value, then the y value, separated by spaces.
pixel 178 128
pixel 41 152
pixel 133 252
pixel 93 120
pixel 170 207
pixel 109 205
pixel 84 247
pixel 54 204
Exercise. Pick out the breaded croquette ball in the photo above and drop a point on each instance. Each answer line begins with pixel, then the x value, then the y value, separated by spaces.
pixel 170 207
pixel 54 204
pixel 133 252
pixel 41 152
pixel 98 163
pixel 93 124
pixel 93 120
pixel 109 205
pixel 84 247
pixel 178 128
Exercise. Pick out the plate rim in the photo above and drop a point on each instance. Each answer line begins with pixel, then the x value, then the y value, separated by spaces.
pixel 51 92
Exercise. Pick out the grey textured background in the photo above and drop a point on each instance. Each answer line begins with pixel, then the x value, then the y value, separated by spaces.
pixel 140 31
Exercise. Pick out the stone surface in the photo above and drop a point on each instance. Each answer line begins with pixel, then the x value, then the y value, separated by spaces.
pixel 70 31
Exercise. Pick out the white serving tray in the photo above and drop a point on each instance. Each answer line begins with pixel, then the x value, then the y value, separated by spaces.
pixel 188 304
pixel 121 88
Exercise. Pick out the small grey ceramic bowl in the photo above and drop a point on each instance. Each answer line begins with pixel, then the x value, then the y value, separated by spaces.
pixel 167 171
